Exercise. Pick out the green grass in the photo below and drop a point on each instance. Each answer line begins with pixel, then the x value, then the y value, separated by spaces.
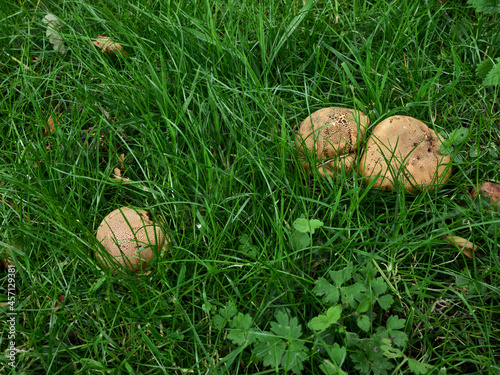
pixel 203 110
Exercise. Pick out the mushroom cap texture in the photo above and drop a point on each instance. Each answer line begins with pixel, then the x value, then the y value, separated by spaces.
pixel 405 148
pixel 331 136
pixel 125 231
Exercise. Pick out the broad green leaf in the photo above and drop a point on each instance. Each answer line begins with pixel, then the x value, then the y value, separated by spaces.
pixel 219 322
pixel 391 352
pixel 330 368
pixel 486 6
pixel 446 148
pixel 385 301
pixel 322 322
pixel 459 135
pixel 483 68
pixel 379 286
pixel 342 276
pixel 300 240
pixel 338 354
pixel 324 288
pixel 418 368
pixel 334 313
pixel 319 323
pixel 352 293
pixel 229 311
pixel 285 327
pixel 364 323
pixel 294 356
pixel 241 332
pixel 242 322
pixel 493 76
pixel 270 349
pixel 304 225
pixel 399 338
pixel 364 305
pixel 382 366
pixel 395 323
pixel 392 332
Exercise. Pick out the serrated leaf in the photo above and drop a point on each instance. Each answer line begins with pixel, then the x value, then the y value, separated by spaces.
pixel 385 302
pixel 493 76
pixel 324 321
pixel 304 225
pixel 399 338
pixel 294 357
pixel 330 368
pixel 352 293
pixel 242 322
pixel 486 6
pixel 270 350
pixel 330 292
pixel 379 286
pixel 395 323
pixel 484 67
pixel 391 352
pixel 382 366
pixel 241 332
pixel 364 323
pixel 229 311
pixel 342 276
pixel 219 322
pixel 418 368
pixel 391 331
pixel 285 327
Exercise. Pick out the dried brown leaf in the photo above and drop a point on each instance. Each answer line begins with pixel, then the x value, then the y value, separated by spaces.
pixel 108 46
pixel 467 247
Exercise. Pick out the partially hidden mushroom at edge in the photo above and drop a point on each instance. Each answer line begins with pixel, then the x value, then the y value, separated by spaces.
pixel 402 149
pixel 330 138
pixel 131 239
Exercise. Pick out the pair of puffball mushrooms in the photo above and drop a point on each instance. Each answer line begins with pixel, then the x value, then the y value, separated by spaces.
pixel 400 147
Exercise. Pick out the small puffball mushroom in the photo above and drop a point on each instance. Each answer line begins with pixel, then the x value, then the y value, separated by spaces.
pixel 331 136
pixel 131 239
pixel 404 148
pixel 488 189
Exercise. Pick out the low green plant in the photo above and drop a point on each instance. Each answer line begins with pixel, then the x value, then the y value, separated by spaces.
pixel 452 142
pixel 488 70
pixel 359 329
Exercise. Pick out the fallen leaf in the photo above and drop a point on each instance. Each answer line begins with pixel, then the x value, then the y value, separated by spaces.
pixel 108 46
pixel 467 247
pixel 50 122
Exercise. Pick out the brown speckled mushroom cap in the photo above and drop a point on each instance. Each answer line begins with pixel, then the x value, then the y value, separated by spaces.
pixel 130 238
pixel 404 148
pixel 331 137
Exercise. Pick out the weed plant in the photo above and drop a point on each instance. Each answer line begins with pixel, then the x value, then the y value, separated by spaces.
pixel 269 270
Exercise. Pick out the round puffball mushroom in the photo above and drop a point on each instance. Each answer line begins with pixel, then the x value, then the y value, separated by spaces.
pixel 331 136
pixel 405 149
pixel 488 189
pixel 131 239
